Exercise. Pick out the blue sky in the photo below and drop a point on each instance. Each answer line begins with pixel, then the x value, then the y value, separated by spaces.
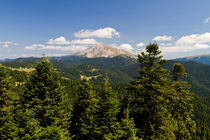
pixel 62 27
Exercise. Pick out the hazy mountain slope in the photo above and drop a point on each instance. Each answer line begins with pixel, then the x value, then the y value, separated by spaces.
pixel 74 67
pixel 204 59
pixel 198 76
pixel 119 69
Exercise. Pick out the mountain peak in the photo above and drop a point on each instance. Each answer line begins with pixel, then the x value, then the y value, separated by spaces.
pixel 101 50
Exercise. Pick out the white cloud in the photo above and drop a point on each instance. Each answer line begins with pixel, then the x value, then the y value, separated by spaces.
pixel 166 44
pixel 84 41
pixel 62 44
pixel 163 38
pixel 72 48
pixel 206 20
pixel 141 44
pixel 5 44
pixel 107 32
pixel 62 41
pixel 126 47
pixel 188 43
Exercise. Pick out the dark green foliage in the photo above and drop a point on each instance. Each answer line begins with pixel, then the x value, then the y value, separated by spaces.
pixel 42 102
pixel 202 116
pixel 83 122
pixel 8 129
pixel 128 130
pixel 178 71
pixel 152 115
pixel 72 67
pixel 181 106
pixel 108 127
pixel 163 100
pixel 43 93
pixel 198 76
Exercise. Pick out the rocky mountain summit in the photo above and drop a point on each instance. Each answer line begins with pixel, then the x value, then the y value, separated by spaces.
pixel 100 50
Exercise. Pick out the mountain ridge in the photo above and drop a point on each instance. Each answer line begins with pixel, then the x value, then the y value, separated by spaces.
pixel 101 50
pixel 203 58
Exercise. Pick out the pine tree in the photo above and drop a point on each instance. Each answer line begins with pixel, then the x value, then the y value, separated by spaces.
pixel 153 118
pixel 108 127
pixel 8 129
pixel 42 100
pixel 128 130
pixel 182 107
pixel 84 109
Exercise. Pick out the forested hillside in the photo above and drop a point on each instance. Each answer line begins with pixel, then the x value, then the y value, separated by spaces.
pixel 119 69
pixel 118 98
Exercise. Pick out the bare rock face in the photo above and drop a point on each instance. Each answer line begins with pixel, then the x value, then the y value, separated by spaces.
pixel 100 50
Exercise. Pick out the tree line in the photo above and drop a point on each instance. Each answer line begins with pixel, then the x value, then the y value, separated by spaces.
pixel 158 105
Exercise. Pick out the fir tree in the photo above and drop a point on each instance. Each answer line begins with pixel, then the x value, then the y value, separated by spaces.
pixel 42 100
pixel 84 109
pixel 108 127
pixel 128 130
pixel 182 107
pixel 8 129
pixel 152 117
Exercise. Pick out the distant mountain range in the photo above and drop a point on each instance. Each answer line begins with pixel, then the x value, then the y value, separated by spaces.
pixel 204 59
pixel 120 66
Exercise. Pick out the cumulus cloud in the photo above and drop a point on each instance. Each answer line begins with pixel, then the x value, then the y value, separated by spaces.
pixel 84 41
pixel 126 47
pixel 62 41
pixel 72 48
pixel 62 44
pixel 5 44
pixel 163 38
pixel 188 43
pixel 206 20
pixel 107 32
pixel 141 44
pixel 166 44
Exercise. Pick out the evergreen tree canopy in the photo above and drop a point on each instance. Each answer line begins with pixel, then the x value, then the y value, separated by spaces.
pixel 83 125
pixel 8 128
pixel 43 93
pixel 182 107
pixel 42 101
pixel 178 72
pixel 152 115
pixel 108 127
pixel 128 129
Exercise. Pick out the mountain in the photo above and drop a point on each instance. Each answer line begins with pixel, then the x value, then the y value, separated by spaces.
pixel 100 50
pixel 120 66
pixel 74 67
pixel 198 75
pixel 119 69
pixel 204 59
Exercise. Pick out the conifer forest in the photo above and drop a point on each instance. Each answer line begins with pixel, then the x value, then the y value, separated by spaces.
pixel 159 103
